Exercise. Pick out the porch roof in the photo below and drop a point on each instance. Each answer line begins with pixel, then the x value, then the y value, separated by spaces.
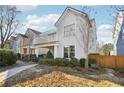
pixel 47 44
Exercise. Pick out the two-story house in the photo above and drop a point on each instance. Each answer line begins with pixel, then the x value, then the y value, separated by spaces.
pixel 73 30
pixel 118 34
pixel 68 40
pixel 24 42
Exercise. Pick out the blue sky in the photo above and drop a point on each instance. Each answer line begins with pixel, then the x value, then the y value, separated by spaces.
pixel 43 17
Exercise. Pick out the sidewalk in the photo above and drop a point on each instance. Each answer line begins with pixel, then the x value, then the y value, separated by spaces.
pixel 11 72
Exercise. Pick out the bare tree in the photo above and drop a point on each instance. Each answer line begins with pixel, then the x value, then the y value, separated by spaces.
pixel 86 32
pixel 8 23
pixel 117 7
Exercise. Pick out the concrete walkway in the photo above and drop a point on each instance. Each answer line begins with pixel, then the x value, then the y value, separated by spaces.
pixel 11 72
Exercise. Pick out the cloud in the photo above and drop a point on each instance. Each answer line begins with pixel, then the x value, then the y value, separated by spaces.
pixel 104 33
pixel 25 7
pixel 41 23
pixel 105 27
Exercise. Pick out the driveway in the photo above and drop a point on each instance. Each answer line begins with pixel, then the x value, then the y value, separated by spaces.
pixel 11 72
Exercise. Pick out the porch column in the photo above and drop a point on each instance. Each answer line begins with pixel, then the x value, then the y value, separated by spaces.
pixel 55 51
pixel 36 51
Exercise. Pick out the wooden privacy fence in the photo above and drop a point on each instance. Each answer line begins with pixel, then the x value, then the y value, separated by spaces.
pixel 109 61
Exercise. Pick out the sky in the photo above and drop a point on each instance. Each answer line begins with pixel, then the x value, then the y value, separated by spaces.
pixel 43 18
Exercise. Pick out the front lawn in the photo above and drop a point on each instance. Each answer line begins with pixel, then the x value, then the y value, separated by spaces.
pixel 51 76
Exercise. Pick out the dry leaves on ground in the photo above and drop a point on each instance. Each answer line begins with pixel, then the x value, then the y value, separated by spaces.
pixel 60 79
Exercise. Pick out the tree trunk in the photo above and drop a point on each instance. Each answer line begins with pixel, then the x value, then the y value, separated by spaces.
pixel 86 62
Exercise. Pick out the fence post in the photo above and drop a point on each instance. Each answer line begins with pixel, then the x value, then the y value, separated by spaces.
pixel 115 61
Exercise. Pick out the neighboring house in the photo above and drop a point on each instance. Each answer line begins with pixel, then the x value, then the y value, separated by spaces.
pixel 66 40
pixel 7 45
pixel 118 35
pixel 24 42
pixel 13 43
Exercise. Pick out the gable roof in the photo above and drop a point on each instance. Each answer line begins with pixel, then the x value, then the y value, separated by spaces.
pixel 66 11
pixel 13 37
pixel 34 31
pixel 22 35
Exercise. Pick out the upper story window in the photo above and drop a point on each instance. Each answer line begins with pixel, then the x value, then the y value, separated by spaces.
pixel 69 30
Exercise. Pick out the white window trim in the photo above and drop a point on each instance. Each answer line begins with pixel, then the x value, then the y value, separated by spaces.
pixel 68 49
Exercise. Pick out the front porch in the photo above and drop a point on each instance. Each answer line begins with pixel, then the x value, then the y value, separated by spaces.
pixel 26 50
pixel 44 48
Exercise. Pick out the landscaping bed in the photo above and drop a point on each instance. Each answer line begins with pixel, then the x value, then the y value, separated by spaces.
pixel 43 75
pixel 60 79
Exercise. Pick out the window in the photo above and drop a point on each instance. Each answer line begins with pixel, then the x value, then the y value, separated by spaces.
pixel 69 30
pixel 66 52
pixel 72 51
pixel 69 52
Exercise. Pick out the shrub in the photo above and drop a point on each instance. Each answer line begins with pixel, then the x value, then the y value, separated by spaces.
pixel 61 62
pixel 92 58
pixel 7 57
pixel 49 54
pixel 33 58
pixel 82 62
pixel 46 61
pixel 92 61
pixel 54 62
pixel 41 56
pixel 74 62
pixel 25 58
pixel 93 54
pixel 42 61
pixel 18 56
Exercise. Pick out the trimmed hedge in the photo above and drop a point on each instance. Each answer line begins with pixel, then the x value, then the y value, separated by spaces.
pixel 46 61
pixel 74 62
pixel 54 62
pixel 7 57
pixel 60 62
pixel 31 57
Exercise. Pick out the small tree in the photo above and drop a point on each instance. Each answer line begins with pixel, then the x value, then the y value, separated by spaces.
pixel 49 54
pixel 8 23
pixel 107 48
